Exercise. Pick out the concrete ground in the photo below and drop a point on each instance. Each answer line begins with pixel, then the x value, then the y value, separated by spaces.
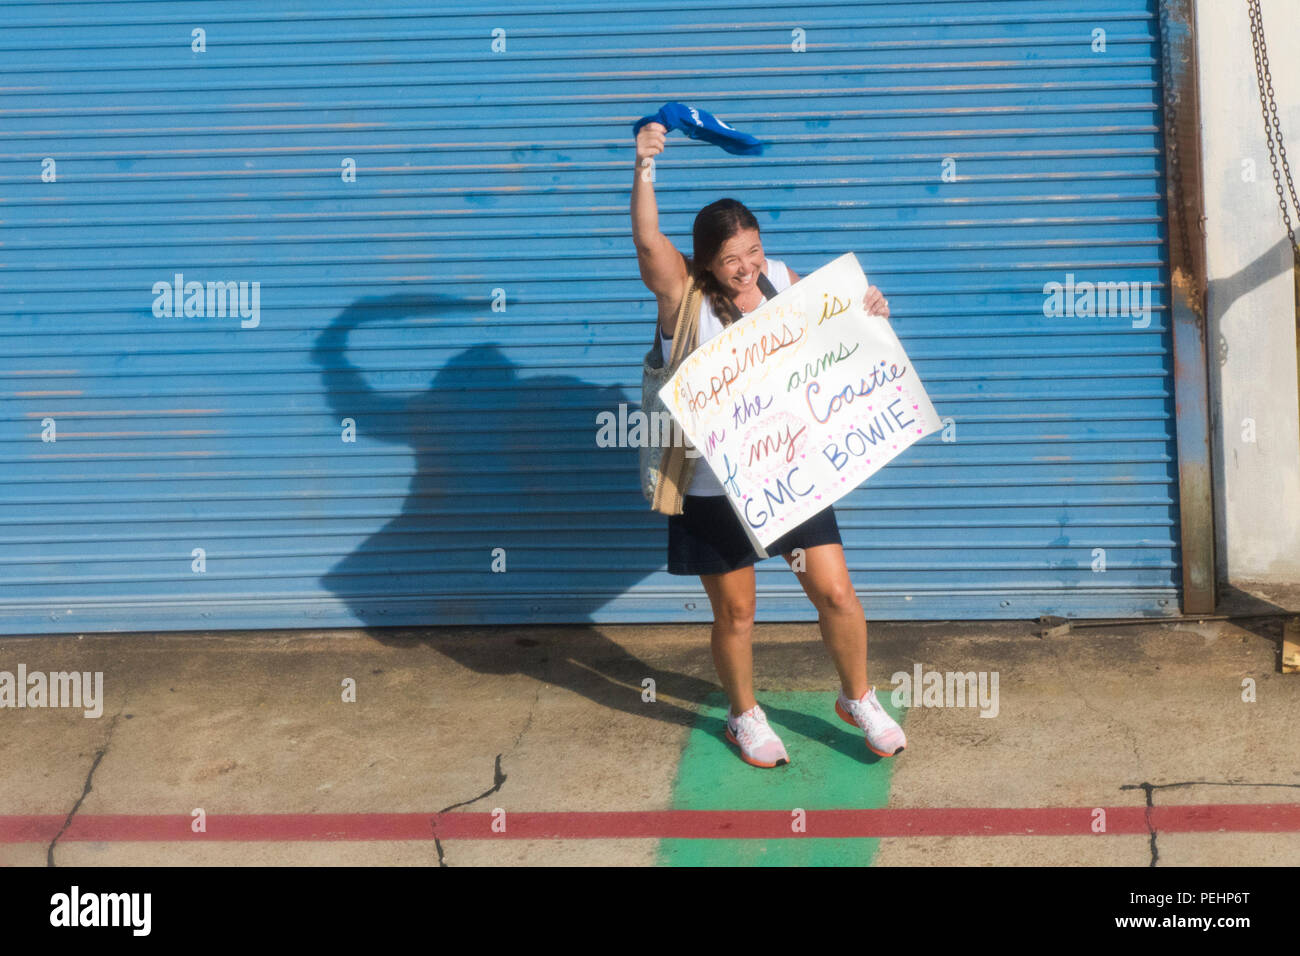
pixel 548 719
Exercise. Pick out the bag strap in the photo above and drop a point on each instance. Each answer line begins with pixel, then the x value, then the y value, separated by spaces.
pixel 686 335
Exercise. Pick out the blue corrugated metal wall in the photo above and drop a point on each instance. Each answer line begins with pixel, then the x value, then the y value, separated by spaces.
pixel 200 477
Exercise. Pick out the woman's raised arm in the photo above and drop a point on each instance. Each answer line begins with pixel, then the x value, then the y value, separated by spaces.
pixel 663 267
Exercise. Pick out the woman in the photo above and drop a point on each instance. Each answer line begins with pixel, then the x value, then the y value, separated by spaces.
pixel 707 538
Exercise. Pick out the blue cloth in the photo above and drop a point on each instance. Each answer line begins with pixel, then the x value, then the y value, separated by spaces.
pixel 699 124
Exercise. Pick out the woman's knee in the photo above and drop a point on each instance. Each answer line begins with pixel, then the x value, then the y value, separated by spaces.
pixel 733 597
pixel 735 613
pixel 838 598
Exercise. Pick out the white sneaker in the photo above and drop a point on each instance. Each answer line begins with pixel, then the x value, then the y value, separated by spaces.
pixel 884 737
pixel 759 745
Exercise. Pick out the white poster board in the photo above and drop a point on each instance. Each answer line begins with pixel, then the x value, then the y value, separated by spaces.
pixel 799 402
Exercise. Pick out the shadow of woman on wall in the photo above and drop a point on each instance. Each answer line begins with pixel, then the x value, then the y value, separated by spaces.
pixel 512 507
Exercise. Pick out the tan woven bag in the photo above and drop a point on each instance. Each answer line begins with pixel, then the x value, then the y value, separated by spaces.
pixel 666 471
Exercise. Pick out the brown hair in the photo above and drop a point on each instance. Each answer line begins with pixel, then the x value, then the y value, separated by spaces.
pixel 714 225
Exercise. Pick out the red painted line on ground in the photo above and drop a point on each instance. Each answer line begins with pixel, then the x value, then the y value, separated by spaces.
pixel 661 824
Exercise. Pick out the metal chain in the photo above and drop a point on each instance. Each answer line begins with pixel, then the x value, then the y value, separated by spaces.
pixel 1171 124
pixel 1272 125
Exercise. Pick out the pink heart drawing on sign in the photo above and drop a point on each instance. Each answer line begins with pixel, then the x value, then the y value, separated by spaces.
pixel 916 406
pixel 900 388
pixel 819 497
pixel 919 430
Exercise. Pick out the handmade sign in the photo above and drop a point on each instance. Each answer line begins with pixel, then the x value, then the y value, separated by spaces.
pixel 799 402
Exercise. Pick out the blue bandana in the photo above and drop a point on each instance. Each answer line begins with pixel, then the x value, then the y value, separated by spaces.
pixel 698 124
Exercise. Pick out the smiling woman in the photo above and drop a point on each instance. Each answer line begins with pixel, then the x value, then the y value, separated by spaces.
pixel 728 259
pixel 705 537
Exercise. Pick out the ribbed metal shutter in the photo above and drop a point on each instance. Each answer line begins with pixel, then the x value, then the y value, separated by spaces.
pixel 475 427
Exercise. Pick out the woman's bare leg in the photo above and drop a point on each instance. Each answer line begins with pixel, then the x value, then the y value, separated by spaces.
pixel 825 580
pixel 732 597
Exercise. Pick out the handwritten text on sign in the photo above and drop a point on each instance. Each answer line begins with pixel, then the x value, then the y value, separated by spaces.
pixel 800 401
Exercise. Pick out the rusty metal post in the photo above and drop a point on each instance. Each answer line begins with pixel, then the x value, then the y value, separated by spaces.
pixel 1188 286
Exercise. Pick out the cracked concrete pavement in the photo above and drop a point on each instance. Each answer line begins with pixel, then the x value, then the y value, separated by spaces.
pixel 85 790
pixel 552 718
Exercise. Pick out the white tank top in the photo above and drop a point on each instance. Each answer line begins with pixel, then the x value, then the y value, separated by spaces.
pixel 704 482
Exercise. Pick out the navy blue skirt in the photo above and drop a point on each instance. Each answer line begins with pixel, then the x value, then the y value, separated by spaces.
pixel 708 538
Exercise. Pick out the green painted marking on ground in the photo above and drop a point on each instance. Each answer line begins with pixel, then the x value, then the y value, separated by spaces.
pixel 830 769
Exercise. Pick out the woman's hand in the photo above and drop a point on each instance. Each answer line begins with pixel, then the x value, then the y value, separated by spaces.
pixel 650 141
pixel 875 303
